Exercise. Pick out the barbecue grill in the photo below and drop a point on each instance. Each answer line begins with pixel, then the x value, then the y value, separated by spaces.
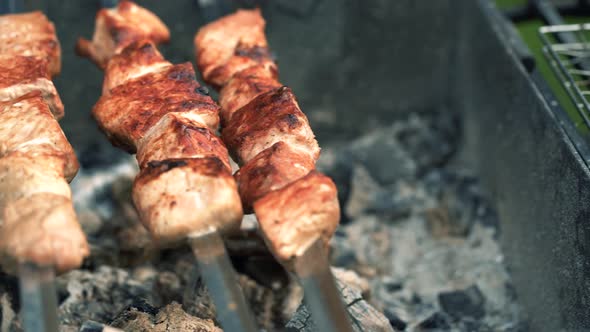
pixel 358 66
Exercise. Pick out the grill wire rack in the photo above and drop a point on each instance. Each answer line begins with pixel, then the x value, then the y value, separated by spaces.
pixel 567 49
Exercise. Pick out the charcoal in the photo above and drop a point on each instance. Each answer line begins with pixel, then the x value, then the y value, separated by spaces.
pixel 338 165
pixel 397 323
pixel 437 321
pixel 469 324
pixel 368 197
pixel 441 222
pixel 416 229
pixel 383 156
pixel 342 255
pixel 435 228
pixel 100 295
pixel 263 302
pixel 430 140
pixel 462 203
pixel 9 291
pixel 397 201
pixel 169 287
pixel 392 285
pixel 196 300
pixel 362 194
pixel 370 239
pixel 460 303
pixel 141 305
pixel 91 326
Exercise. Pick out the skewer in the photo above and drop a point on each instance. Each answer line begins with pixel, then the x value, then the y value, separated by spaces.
pixel 222 284
pixel 296 206
pixel 38 298
pixel 321 294
pixel 36 283
pixel 207 245
pixel 37 289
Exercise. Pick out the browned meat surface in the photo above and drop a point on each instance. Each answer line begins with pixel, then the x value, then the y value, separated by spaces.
pixel 37 221
pixel 267 119
pixel 138 59
pixel 268 134
pixel 177 197
pixel 242 60
pixel 30 34
pixel 159 111
pixel 20 75
pixel 42 228
pixel 271 169
pixel 132 108
pixel 179 137
pixel 296 214
pixel 243 87
pixel 28 127
pixel 230 44
pixel 116 28
pixel 22 177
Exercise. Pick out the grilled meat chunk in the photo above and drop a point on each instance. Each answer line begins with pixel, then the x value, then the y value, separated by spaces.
pixel 20 75
pixel 139 59
pixel 28 127
pixel 267 119
pixel 270 170
pixel 294 215
pixel 41 228
pixel 132 108
pixel 176 197
pixel 21 177
pixel 243 87
pixel 176 136
pixel 118 27
pixel 230 44
pixel 33 35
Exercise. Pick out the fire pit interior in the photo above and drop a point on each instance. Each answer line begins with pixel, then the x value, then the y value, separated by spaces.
pixel 400 101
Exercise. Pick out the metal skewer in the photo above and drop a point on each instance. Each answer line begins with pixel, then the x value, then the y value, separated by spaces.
pixel 221 282
pixel 320 292
pixel 38 298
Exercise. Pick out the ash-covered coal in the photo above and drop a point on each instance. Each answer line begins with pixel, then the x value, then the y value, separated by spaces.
pixel 417 249
pixel 422 234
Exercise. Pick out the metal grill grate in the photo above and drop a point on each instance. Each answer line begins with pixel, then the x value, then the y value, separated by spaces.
pixel 567 48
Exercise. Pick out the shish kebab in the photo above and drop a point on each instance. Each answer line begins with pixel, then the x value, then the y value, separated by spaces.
pixel 159 111
pixel 39 231
pixel 267 133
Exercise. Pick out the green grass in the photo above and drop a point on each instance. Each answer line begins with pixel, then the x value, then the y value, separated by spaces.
pixel 529 31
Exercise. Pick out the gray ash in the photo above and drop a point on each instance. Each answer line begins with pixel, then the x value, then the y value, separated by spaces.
pixel 421 230
pixel 417 249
